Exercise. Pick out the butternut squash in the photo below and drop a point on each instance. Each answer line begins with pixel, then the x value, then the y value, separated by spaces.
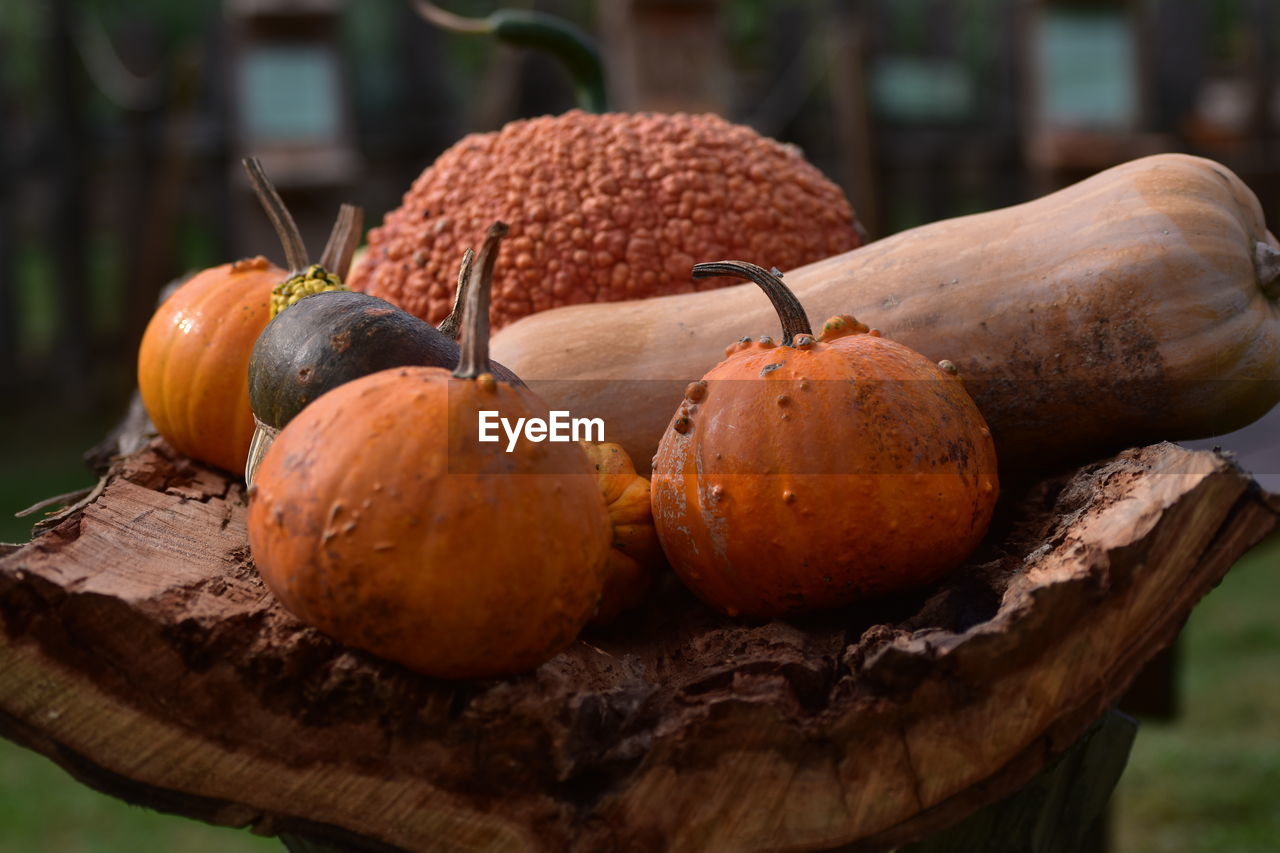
pixel 1138 305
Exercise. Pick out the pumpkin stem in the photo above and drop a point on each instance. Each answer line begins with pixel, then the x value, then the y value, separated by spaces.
pixel 450 326
pixel 343 239
pixel 295 252
pixel 447 20
pixel 1266 262
pixel 794 321
pixel 540 31
pixel 474 359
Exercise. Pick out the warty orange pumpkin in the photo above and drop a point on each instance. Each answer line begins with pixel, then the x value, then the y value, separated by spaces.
pixel 602 208
pixel 810 473
pixel 379 517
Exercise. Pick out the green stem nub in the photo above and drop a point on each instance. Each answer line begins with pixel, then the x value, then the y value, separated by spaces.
pixel 314 279
pixel 474 358
pixel 790 312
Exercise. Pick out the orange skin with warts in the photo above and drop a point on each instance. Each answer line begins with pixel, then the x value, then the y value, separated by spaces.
pixel 635 555
pixel 380 518
pixel 810 477
pixel 602 208
pixel 194 360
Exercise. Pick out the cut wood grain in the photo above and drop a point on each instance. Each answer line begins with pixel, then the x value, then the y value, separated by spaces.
pixel 141 652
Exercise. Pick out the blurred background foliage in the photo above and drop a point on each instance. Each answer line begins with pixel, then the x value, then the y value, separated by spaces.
pixel 122 125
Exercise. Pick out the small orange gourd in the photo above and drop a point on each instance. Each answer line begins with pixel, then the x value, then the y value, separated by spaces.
pixel 635 555
pixel 193 362
pixel 195 356
pixel 380 517
pixel 809 474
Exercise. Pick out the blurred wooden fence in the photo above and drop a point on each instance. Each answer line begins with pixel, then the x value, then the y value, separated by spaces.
pixel 120 172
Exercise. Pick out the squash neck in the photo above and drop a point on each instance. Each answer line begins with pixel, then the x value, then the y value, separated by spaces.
pixel 1266 263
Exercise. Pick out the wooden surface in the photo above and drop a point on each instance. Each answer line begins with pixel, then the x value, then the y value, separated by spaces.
pixel 141 652
pixel 1062 810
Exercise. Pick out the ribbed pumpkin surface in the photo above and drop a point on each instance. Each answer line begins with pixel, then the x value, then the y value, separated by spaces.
pixel 194 360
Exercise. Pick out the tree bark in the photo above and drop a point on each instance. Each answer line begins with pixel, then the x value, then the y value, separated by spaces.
pixel 141 652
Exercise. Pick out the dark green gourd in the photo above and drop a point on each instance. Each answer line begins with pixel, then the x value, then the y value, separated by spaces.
pixel 325 340
pixel 323 335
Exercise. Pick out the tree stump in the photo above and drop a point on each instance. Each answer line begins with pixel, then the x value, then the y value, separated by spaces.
pixel 141 652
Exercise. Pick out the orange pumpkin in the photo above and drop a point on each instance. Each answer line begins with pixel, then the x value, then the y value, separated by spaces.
pixel 379 517
pixel 195 356
pixel 813 473
pixel 194 360
pixel 635 555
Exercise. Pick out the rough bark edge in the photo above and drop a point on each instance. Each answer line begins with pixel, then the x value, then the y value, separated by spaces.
pixel 1073 725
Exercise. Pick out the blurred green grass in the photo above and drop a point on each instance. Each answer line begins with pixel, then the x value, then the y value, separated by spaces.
pixel 1209 782
pixel 40 455
pixel 43 810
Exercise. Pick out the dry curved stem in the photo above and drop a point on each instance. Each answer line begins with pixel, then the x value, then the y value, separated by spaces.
pixel 110 74
pixel 295 251
pixel 474 358
pixel 451 326
pixel 343 240
pixel 1266 263
pixel 70 502
pixel 61 500
pixel 790 312
pixel 451 21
